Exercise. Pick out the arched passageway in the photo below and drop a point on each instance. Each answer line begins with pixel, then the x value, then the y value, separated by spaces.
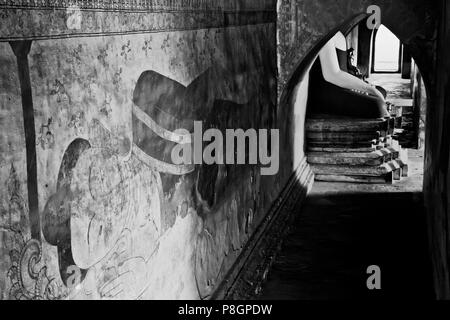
pixel 346 228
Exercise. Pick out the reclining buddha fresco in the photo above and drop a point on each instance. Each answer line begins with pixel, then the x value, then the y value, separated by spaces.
pixel 111 197
pixel 115 218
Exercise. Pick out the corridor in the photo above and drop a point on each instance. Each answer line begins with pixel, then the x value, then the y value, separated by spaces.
pixel 344 228
pixel 339 234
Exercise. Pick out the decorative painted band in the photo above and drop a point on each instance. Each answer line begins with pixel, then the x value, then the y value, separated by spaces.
pixel 161 166
pixel 160 131
pixel 41 23
pixel 143 5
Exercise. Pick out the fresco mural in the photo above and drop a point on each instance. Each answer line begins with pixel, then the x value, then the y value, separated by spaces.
pixel 115 218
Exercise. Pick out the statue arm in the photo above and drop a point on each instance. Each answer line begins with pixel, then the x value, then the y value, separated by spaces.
pixel 333 73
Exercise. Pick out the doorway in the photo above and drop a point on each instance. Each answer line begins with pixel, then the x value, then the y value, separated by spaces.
pixel 386 52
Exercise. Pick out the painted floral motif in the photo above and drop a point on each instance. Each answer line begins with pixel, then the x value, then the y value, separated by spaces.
pixel 76 122
pixel 17 206
pixel 126 49
pixel 59 91
pixel 28 276
pixel 45 137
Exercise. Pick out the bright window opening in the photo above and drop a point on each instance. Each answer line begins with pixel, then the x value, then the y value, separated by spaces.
pixel 387 51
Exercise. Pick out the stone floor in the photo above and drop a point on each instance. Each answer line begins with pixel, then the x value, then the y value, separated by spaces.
pixel 396 87
pixel 335 238
pixel 344 228
pixel 413 183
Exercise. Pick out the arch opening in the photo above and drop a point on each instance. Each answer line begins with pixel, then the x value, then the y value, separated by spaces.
pixel 356 198
pixel 387 52
pixel 406 80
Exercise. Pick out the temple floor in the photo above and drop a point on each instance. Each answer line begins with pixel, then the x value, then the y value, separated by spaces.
pixel 341 231
pixel 396 87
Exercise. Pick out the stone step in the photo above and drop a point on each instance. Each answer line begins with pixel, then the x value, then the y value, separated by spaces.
pixel 356 151
pixel 344 137
pixel 361 147
pixel 345 125
pixel 366 171
pixel 342 144
pixel 341 149
pixel 374 158
pixel 386 179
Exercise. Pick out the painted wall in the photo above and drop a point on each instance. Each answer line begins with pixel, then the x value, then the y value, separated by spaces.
pixel 107 88
pixel 13 167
